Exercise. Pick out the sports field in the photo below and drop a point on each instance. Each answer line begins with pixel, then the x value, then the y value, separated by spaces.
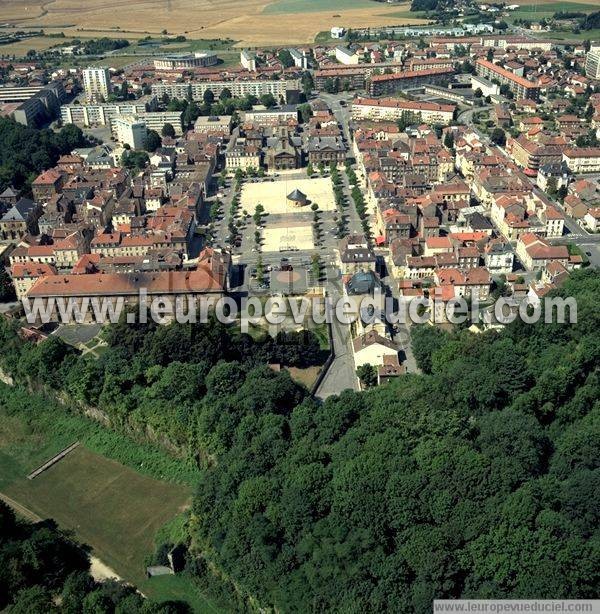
pixel 108 506
pixel 250 22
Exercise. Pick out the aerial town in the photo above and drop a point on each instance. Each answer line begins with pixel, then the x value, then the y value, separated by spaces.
pixel 422 164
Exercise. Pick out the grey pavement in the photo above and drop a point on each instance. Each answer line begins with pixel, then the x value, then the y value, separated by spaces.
pixel 341 374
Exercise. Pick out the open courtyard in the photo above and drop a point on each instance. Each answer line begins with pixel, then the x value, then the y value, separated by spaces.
pixel 273 195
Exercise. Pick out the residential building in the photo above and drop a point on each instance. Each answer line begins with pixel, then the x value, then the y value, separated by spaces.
pixel 592 219
pixel 371 347
pixel 592 64
pixel 96 83
pixel 300 58
pixel 499 257
pixel 380 85
pixel 272 117
pixel 326 150
pixel 213 123
pixel 392 109
pixel 20 219
pixel 345 56
pixel 583 159
pixel 248 60
pixel 356 255
pixel 102 113
pixel 130 131
pixel 519 86
pixel 486 87
pixel 285 88
pixel 534 252
pixel 210 278
pixel 24 276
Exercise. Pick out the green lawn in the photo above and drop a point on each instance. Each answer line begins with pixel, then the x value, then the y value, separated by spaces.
pixel 120 511
pixel 535 12
pixel 110 507
pixel 284 7
pixel 179 588
pixel 592 35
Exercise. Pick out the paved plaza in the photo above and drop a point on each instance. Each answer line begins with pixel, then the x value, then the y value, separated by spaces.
pixel 273 195
pixel 288 238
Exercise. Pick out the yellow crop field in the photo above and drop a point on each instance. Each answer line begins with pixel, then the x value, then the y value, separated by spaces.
pixel 251 22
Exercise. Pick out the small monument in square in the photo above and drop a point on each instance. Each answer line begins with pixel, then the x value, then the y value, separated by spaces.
pixel 297 198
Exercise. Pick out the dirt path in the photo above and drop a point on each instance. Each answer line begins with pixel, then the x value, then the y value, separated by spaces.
pixel 98 569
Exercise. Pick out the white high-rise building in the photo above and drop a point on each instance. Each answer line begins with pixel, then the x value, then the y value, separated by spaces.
pixel 130 130
pixel 592 63
pixel 248 60
pixel 96 83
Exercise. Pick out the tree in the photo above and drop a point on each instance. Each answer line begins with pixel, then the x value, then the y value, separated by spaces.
pixel 552 186
pixel 190 114
pixel 498 137
pixel 153 141
pixel 225 94
pixel 34 600
pixel 367 374
pixel 315 267
pixel 268 100
pixel 135 159
pixel 168 130
pixel 260 271
pixel 208 97
pixel 305 111
pixel 285 57
pixel 7 290
pixel 310 169
pixel 449 140
pixel 425 341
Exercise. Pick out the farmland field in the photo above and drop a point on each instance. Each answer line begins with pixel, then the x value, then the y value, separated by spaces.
pixel 251 22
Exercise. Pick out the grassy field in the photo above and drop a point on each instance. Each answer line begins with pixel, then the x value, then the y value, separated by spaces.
pixel 108 506
pixel 546 10
pixel 286 7
pixel 592 35
pixel 120 509
pixel 168 588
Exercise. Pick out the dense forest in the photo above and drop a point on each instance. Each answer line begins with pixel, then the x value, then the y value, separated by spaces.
pixel 26 152
pixel 479 478
pixel 165 381
pixel 43 571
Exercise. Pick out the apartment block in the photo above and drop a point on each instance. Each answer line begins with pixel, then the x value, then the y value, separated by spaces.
pixel 196 89
pixel 101 114
pixel 519 86
pixel 130 131
pixel 392 109
pixel 583 159
pixel 592 64
pixel 380 85
pixel 96 83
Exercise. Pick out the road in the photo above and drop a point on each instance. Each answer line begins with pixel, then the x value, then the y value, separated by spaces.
pixel 341 374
